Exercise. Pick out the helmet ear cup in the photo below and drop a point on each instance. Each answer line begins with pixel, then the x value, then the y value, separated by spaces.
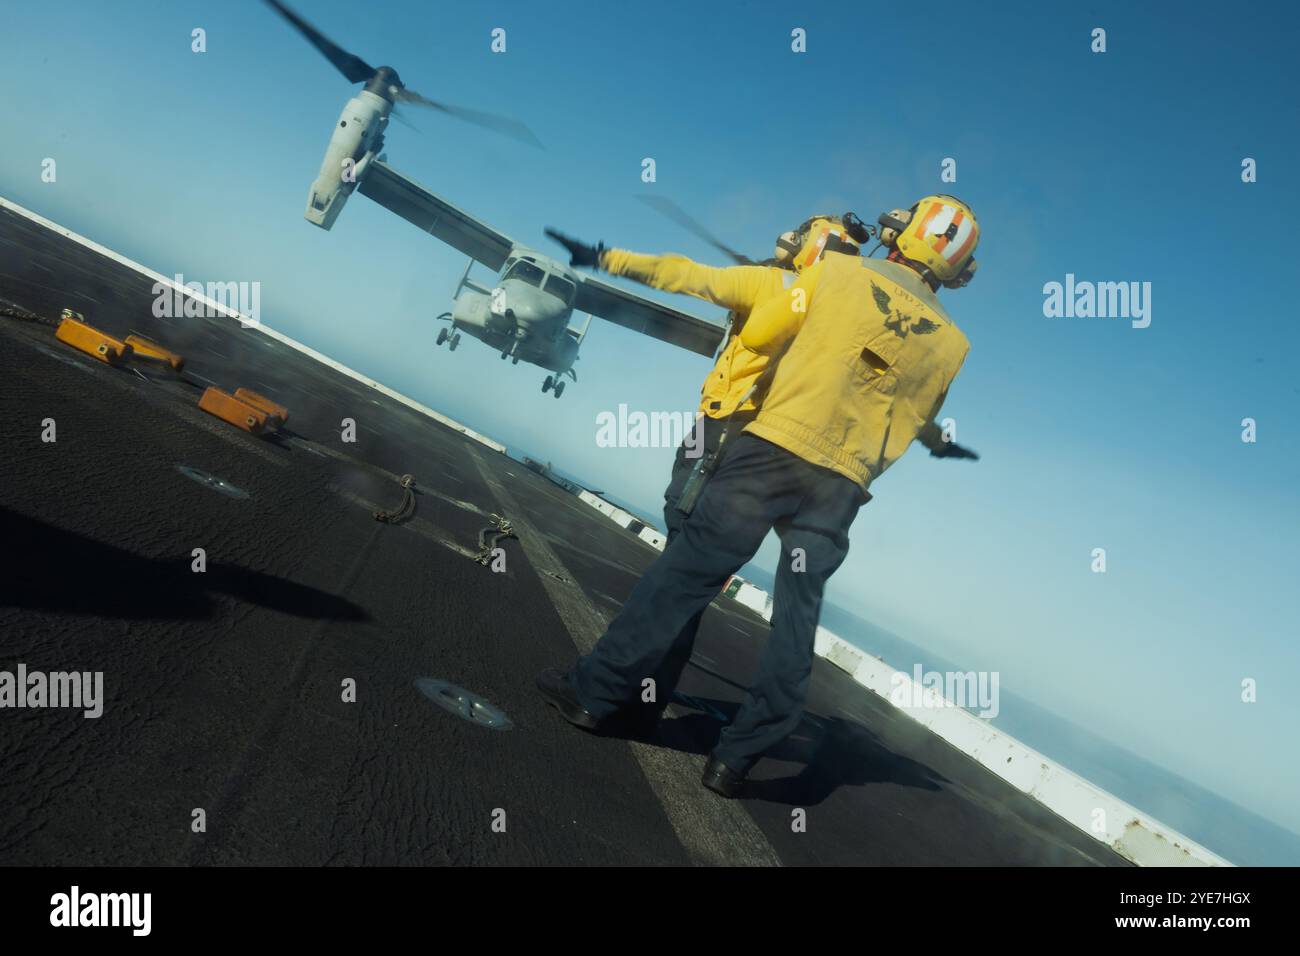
pixel 891 224
pixel 962 278
pixel 788 245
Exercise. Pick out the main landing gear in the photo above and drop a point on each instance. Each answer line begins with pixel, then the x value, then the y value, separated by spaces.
pixel 444 335
pixel 551 383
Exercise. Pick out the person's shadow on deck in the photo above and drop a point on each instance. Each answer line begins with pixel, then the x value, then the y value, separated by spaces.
pixel 834 753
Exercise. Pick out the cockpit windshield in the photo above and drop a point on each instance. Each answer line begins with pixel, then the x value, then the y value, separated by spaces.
pixel 525 271
pixel 561 287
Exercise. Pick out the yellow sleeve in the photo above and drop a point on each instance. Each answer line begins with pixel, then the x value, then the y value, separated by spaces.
pixel 931 435
pixel 776 321
pixel 736 288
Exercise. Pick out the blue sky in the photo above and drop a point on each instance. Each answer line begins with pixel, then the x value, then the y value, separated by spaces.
pixel 1122 166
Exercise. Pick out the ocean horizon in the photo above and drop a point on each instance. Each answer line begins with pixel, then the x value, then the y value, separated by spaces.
pixel 1236 833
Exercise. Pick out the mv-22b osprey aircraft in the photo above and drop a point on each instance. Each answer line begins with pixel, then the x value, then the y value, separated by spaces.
pixel 525 314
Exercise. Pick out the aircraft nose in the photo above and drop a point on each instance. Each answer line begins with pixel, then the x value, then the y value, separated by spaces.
pixel 525 312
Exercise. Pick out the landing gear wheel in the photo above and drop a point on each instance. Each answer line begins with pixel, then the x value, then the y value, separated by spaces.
pixel 455 341
pixel 442 336
pixel 546 385
pixel 559 389
pixel 505 355
pixel 515 360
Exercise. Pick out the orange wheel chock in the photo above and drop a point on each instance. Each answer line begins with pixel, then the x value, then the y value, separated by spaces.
pixel 230 409
pixel 274 411
pixel 147 349
pixel 88 339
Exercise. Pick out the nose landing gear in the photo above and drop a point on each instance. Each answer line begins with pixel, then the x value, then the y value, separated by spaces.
pixel 551 383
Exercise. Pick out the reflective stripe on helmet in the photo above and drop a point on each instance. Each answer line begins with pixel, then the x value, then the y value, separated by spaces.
pixel 812 249
pixel 943 221
pixel 961 244
pixel 922 228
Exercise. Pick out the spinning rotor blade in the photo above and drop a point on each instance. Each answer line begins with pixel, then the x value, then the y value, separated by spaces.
pixel 398 115
pixel 500 124
pixel 678 215
pixel 353 67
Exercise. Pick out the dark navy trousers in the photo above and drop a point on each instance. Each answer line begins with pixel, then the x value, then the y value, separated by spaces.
pixel 759 486
pixel 710 434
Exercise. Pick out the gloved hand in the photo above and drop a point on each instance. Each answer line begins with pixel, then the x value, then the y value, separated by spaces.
pixel 580 254
pixel 953 450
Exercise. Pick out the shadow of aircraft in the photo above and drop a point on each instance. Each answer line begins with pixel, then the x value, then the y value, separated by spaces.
pixel 60 571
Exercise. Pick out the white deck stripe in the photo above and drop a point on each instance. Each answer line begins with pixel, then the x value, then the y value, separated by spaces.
pixel 713 830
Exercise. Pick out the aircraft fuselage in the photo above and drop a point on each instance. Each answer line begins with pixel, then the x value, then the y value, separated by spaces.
pixel 525 315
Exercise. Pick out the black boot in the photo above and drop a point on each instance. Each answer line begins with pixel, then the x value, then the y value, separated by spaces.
pixel 559 693
pixel 721 779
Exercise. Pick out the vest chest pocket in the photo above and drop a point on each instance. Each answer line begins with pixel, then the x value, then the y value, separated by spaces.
pixel 875 359
pixel 873 371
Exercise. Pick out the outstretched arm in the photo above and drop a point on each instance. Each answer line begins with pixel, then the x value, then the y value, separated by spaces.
pixel 736 288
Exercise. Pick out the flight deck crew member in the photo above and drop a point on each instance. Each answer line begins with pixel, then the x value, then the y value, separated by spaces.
pixel 728 396
pixel 871 355
pixel 726 392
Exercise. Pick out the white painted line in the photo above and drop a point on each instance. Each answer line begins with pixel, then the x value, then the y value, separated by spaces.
pixel 713 831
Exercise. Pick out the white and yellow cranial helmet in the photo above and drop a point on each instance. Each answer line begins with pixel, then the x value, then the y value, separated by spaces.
pixel 939 233
pixel 800 248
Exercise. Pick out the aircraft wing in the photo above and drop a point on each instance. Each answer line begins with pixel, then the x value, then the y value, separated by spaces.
pixel 654 319
pixel 436 216
pixel 481 242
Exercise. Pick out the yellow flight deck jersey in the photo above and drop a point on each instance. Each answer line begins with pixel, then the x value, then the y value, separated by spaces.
pixel 872 357
pixel 738 288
